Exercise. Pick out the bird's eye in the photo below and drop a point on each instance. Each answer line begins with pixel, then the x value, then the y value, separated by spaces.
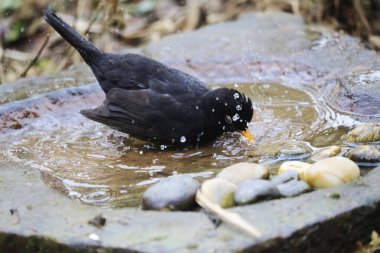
pixel 228 119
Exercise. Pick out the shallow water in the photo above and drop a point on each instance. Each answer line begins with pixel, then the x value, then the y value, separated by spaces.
pixel 99 166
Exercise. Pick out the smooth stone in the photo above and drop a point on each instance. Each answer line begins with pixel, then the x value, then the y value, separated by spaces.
pixel 298 166
pixel 293 149
pixel 284 177
pixel 174 193
pixel 365 153
pixel 255 189
pixel 358 91
pixel 241 172
pixel 326 153
pixel 219 191
pixel 367 132
pixel 332 172
pixel 293 188
pixel 284 150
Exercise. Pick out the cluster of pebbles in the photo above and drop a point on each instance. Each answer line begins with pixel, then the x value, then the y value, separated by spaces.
pixel 246 183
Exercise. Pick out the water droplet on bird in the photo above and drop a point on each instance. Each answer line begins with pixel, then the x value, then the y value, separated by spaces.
pixel 236 95
pixel 183 139
pixel 236 117
pixel 238 107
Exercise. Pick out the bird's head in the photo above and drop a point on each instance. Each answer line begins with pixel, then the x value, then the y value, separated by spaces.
pixel 229 110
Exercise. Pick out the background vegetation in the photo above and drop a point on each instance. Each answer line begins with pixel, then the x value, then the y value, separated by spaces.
pixel 26 48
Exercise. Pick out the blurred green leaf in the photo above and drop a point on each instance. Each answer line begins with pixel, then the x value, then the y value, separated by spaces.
pixel 15 31
pixel 9 5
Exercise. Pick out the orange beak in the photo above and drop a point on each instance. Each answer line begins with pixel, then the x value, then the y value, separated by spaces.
pixel 247 134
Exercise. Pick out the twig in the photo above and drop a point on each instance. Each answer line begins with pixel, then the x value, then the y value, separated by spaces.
pixel 227 216
pixel 359 9
pixel 35 59
pixel 296 7
pixel 2 53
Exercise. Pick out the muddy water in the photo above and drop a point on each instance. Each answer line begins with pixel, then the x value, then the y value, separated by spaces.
pixel 99 166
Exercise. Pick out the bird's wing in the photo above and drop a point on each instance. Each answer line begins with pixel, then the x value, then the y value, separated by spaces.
pixel 145 114
pixel 135 72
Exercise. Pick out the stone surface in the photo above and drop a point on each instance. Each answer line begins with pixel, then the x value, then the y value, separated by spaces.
pixel 293 188
pixel 55 222
pixel 277 47
pixel 369 132
pixel 241 172
pixel 174 193
pixel 331 172
pixel 267 47
pixel 326 153
pixel 365 153
pixel 219 191
pixel 358 92
pixel 298 166
pixel 285 176
pixel 255 189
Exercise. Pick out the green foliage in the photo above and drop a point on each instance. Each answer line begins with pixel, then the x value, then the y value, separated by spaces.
pixel 9 5
pixel 15 31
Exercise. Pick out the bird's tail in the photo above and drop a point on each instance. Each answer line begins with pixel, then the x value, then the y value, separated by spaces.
pixel 88 50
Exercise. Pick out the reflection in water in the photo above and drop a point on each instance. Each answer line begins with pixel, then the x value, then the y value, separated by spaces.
pixel 100 166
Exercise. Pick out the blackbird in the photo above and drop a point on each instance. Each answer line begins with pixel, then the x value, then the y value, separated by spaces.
pixel 154 102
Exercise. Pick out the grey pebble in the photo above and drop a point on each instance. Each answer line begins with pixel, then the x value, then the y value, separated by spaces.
pixel 253 190
pixel 174 193
pixel 284 177
pixel 365 153
pixel 293 188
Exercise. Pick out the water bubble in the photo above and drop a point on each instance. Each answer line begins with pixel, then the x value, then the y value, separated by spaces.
pixel 217 98
pixel 183 139
pixel 163 147
pixel 133 121
pixel 236 117
pixel 218 122
pixel 236 95
pixel 173 140
pixel 239 107
pixel 225 104
pixel 224 127
pixel 213 110
pixel 197 107
pixel 94 237
pixel 141 152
